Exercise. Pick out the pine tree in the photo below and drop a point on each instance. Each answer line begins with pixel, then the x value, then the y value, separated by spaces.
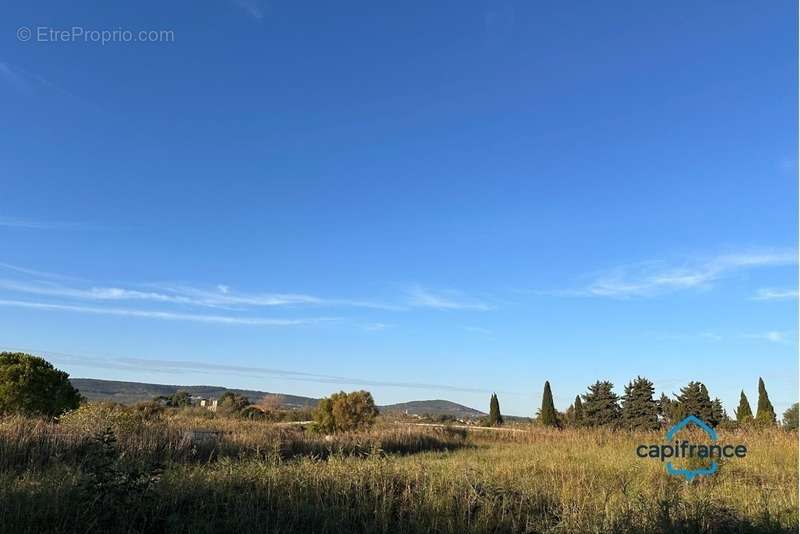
pixel 495 419
pixel 547 414
pixel 694 400
pixel 600 407
pixel 718 414
pixel 743 413
pixel 639 410
pixel 765 413
pixel 578 411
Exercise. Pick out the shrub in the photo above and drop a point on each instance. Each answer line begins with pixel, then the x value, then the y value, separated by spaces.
pixel 345 411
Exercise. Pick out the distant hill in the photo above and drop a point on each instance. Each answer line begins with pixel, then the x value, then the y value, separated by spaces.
pixel 433 407
pixel 133 392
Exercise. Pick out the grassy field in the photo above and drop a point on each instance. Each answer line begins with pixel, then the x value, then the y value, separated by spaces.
pixel 236 476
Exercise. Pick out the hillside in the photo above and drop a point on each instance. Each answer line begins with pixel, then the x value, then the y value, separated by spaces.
pixel 131 392
pixel 433 407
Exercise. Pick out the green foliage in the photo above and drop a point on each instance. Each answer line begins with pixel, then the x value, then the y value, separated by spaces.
pixel 577 410
pixel 765 413
pixel 343 412
pixel 744 414
pixel 718 412
pixel 790 418
pixel 667 409
pixel 495 418
pixel 30 385
pixel 639 410
pixel 231 403
pixel 94 417
pixel 111 486
pixel 694 400
pixel 180 399
pixel 547 414
pixel 600 405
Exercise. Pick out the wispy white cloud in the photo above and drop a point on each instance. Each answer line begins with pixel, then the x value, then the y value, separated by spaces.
pixel 32 282
pixel 450 300
pixel 776 294
pixel 653 278
pixel 773 336
pixel 59 286
pixel 226 296
pixel 50 289
pixel 253 8
pixel 167 316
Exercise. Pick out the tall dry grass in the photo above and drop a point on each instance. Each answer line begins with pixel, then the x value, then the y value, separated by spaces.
pixel 535 481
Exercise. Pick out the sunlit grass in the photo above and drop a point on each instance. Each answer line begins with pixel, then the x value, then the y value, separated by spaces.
pixel 534 481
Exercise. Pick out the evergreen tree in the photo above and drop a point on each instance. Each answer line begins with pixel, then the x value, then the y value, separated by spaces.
pixel 694 400
pixel 600 407
pixel 547 414
pixel 743 413
pixel 765 413
pixel 665 408
pixel 639 410
pixel 718 414
pixel 790 418
pixel 578 411
pixel 495 419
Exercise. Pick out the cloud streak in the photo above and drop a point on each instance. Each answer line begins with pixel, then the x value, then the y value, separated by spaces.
pixel 167 316
pixel 42 284
pixel 776 294
pixel 773 336
pixel 654 278
pixel 420 297
pixel 252 7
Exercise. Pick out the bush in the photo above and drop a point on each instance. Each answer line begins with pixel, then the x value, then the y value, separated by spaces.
pixel 345 411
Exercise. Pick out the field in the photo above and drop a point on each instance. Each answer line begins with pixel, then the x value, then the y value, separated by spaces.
pixel 241 476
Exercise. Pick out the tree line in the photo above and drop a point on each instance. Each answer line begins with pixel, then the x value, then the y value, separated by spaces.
pixel 30 385
pixel 637 409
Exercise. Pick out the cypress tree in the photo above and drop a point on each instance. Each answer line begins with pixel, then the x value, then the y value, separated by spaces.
pixel 578 410
pixel 547 415
pixel 600 407
pixel 765 413
pixel 743 413
pixel 694 400
pixel 495 419
pixel 639 410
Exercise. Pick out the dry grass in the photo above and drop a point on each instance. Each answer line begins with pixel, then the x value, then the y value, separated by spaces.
pixel 534 481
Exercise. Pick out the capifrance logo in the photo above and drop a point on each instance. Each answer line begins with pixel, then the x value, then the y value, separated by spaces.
pixel 683 449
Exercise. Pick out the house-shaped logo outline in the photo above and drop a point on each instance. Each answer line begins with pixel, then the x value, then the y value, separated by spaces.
pixel 690 474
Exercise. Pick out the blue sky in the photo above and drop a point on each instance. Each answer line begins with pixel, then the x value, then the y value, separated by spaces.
pixel 426 199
